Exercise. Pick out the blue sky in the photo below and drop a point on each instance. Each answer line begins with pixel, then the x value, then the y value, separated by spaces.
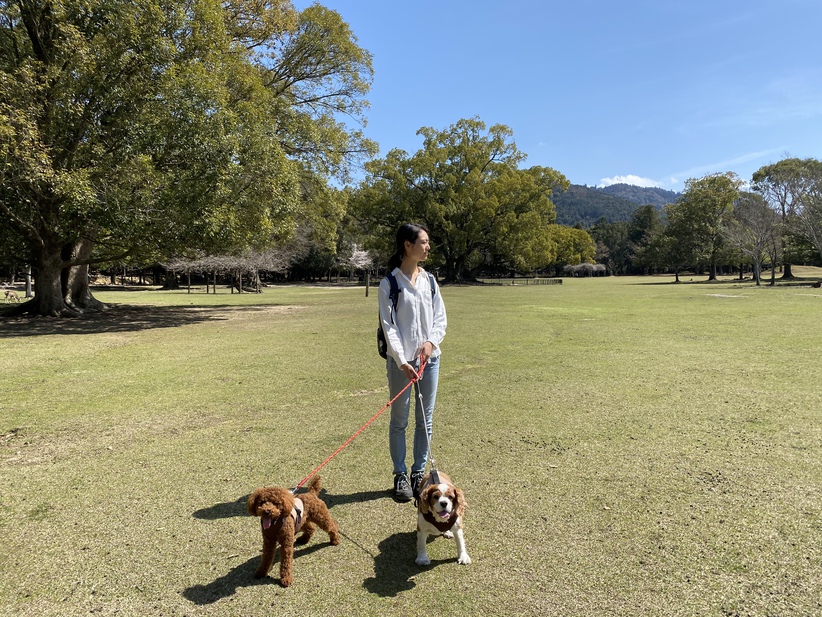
pixel 644 92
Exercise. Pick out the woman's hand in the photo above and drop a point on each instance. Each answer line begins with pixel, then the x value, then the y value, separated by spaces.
pixel 409 371
pixel 426 350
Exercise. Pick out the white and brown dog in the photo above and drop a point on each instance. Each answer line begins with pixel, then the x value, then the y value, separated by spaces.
pixel 11 296
pixel 439 513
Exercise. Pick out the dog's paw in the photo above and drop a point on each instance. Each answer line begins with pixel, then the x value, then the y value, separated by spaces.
pixel 286 581
pixel 449 535
pixel 422 560
pixel 464 559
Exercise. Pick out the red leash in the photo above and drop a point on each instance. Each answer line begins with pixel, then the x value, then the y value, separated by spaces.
pixel 361 429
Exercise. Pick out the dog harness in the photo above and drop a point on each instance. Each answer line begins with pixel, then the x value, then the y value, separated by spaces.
pixel 296 514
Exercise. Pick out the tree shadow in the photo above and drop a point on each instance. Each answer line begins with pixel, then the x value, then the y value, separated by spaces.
pixel 394 567
pixel 119 318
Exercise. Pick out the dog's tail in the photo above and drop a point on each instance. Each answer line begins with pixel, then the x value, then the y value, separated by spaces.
pixel 315 485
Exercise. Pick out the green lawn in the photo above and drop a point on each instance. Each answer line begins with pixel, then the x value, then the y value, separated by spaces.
pixel 627 446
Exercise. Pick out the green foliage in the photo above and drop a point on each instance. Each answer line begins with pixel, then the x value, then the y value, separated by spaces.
pixel 574 245
pixel 583 205
pixel 642 195
pixel 630 247
pixel 464 184
pixel 169 127
pixel 793 187
pixel 695 223
pixel 754 231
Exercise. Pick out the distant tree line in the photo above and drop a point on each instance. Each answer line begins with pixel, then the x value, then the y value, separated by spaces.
pixel 717 225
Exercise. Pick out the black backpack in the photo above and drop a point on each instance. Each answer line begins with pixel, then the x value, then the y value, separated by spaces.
pixel 394 296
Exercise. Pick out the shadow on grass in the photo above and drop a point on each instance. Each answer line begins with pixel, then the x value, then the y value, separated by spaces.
pixel 796 281
pixel 117 318
pixel 394 567
pixel 361 497
pixel 239 507
pixel 243 576
pixel 227 585
pixel 228 509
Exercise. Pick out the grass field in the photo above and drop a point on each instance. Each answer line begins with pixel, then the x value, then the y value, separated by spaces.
pixel 627 446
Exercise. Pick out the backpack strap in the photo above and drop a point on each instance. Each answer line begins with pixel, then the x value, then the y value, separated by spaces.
pixel 393 293
pixel 433 285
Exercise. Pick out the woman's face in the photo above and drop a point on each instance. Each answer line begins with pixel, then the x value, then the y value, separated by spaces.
pixel 419 250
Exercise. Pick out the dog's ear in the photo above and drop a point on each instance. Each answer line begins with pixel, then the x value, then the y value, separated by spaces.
pixel 459 501
pixel 424 497
pixel 252 502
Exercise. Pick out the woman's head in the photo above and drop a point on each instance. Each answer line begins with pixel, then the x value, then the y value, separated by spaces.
pixel 407 233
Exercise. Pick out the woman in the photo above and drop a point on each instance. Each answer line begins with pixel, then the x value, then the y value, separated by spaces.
pixel 413 334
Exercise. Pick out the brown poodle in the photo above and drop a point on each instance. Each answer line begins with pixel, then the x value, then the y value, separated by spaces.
pixel 282 515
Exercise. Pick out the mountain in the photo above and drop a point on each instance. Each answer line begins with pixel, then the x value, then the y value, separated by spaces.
pixel 642 195
pixel 585 205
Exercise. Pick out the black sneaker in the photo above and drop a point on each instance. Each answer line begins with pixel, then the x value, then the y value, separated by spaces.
pixel 402 490
pixel 416 480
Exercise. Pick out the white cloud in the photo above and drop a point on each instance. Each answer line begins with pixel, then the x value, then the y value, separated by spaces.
pixel 630 179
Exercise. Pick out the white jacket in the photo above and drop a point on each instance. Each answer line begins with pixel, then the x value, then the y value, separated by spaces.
pixel 420 316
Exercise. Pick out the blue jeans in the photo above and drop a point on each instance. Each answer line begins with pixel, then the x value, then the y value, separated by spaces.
pixel 425 387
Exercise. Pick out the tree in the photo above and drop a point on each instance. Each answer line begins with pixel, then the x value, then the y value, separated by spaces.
pixel 612 244
pixel 678 245
pixel 574 246
pixel 805 212
pixel 464 184
pixel 164 127
pixel 783 185
pixel 754 230
pixel 644 226
pixel 700 216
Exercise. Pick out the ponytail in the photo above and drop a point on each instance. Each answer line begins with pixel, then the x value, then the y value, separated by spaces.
pixel 394 262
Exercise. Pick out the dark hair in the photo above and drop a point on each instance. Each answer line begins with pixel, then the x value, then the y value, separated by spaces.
pixel 407 231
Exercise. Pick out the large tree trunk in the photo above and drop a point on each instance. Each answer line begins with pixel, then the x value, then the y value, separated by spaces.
pixel 76 291
pixel 171 282
pixel 712 272
pixel 48 298
pixel 61 290
pixel 786 271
